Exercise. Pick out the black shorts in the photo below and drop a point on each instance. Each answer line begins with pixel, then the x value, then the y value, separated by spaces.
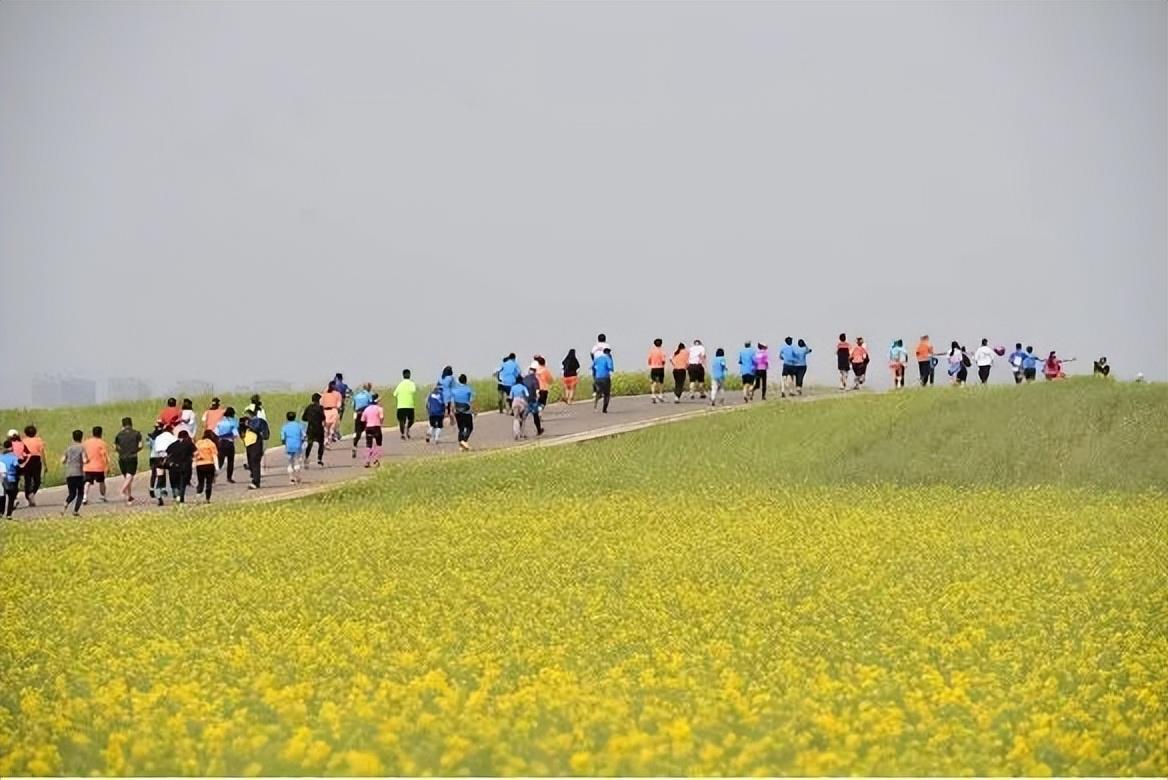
pixel 436 420
pixel 95 476
pixel 504 389
pixel 859 369
pixel 656 374
pixel 1030 373
pixel 128 465
pixel 788 370
pixel 697 372
pixel 747 379
pixel 843 363
pixel 314 434
pixel 405 415
pixel 373 435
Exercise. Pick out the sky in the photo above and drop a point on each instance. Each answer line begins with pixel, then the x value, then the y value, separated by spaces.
pixel 238 192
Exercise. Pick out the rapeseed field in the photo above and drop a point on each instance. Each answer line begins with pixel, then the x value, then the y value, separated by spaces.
pixel 683 600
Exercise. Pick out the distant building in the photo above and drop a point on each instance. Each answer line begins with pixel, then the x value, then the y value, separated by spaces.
pixel 45 392
pixel 189 388
pixel 127 389
pixel 78 392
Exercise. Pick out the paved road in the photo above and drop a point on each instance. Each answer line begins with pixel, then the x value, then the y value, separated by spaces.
pixel 562 424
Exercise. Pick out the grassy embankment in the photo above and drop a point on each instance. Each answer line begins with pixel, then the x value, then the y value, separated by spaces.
pixel 949 582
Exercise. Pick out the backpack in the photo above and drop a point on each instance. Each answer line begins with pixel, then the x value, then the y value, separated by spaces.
pixel 260 426
pixel 434 405
pixel 965 361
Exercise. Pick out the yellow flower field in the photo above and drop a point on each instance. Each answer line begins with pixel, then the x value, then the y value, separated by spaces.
pixel 473 619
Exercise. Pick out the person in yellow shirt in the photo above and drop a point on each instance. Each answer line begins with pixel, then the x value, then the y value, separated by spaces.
pixel 206 455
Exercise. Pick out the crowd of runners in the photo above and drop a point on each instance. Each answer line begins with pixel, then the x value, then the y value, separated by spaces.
pixel 188 452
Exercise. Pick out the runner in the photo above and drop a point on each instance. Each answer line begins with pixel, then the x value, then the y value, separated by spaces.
pixel 506 375
pixel 372 418
pixel 128 443
pixel 331 400
pixel 955 367
pixel 571 368
pixel 170 414
pixel 361 399
pixel 718 372
pixel 74 463
pixel 859 359
pixel 925 361
pixel 602 371
pixel 213 415
pixel 656 361
pixel 35 464
pixel 226 432
pixel 343 389
pixel 256 408
pixel 186 420
pixel 518 396
pixel 292 437
pixel 680 363
pixel 843 359
pixel 464 410
pixel 697 369
pixel 1052 369
pixel 787 356
pixel 599 349
pixel 544 375
pixel 96 464
pixel 206 454
pixel 531 382
pixel 746 368
pixel 9 475
pixel 446 382
pixel 19 452
pixel 253 431
pixel 313 417
pixel 179 457
pixel 1030 365
pixel 984 357
pixel 897 360
pixel 436 409
pixel 801 351
pixel 1017 358
pixel 159 444
pixel 405 394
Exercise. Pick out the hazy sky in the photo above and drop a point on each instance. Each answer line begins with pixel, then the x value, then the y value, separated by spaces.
pixel 246 191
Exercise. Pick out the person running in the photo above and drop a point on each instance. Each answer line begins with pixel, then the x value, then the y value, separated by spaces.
pixel 925 361
pixel 446 383
pixel 179 459
pixel 206 455
pixel 128 443
pixel 696 370
pixel 531 382
pixel 984 357
pixel 718 373
pixel 801 351
pixel 859 359
pixel 599 347
pixel 97 464
pixel 170 414
pixel 9 476
pixel 570 366
pixel 362 398
pixel 18 450
pixel 1052 369
pixel 544 375
pixel 954 358
pixel 680 364
pixel 436 410
pixel 213 415
pixel 1030 365
pixel 256 408
pixel 331 400
pixel 226 432
pixel 464 395
pixel 74 469
pixel 843 360
pixel 254 431
pixel 746 368
pixel 343 389
pixel 372 418
pixel 598 350
pixel 519 398
pixel 966 363
pixel 406 394
pixel 313 418
pixel 656 362
pixel 34 466
pixel 506 375
pixel 602 371
pixel 292 437
pixel 897 361
pixel 1017 357
pixel 787 356
pixel 159 446
pixel 186 420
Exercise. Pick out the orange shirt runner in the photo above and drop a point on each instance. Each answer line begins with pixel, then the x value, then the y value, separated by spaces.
pixel 98 455
pixel 205 452
pixel 924 351
pixel 680 360
pixel 331 399
pixel 859 353
pixel 544 375
pixel 656 358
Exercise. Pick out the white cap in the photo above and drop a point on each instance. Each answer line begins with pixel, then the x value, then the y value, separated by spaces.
pixel 534 365
pixel 13 432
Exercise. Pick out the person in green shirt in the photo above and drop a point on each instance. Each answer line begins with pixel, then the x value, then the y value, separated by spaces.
pixel 405 394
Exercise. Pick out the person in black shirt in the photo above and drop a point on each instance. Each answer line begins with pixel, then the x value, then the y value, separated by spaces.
pixel 179 459
pixel 314 416
pixel 128 443
pixel 571 368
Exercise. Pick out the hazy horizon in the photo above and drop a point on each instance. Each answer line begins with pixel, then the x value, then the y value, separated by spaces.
pixel 258 191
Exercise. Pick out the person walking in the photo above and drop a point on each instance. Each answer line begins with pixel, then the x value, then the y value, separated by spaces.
pixel 73 461
pixel 406 395
pixel 9 476
pixel 206 455
pixel 186 420
pixel 954 358
pixel 680 363
pixel 180 456
pixel 897 361
pixel 602 371
pixel 255 409
pixel 373 417
pixel 787 356
pixel 128 443
pixel 799 354
pixel 519 400
pixel 984 357
pixel 1030 365
pixel 599 349
pixel 656 362
pixel 226 432
pixel 331 401
pixel 436 410
pixel 314 433
pixel 254 432
pixel 544 375
pixel 1017 358
pixel 746 369
pixel 531 382
pixel 762 365
pixel 843 360
pixel 292 437
pixel 506 375
pixel 170 414
pixel 97 464
pixel 696 370
pixel 361 399
pixel 464 395
pixel 213 415
pixel 35 465
pixel 343 389
pixel 159 446
pixel 925 361
pixel 859 359
pixel 570 366
pixel 446 383
pixel 718 374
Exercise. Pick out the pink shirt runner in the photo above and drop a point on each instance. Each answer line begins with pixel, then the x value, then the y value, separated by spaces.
pixel 373 416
